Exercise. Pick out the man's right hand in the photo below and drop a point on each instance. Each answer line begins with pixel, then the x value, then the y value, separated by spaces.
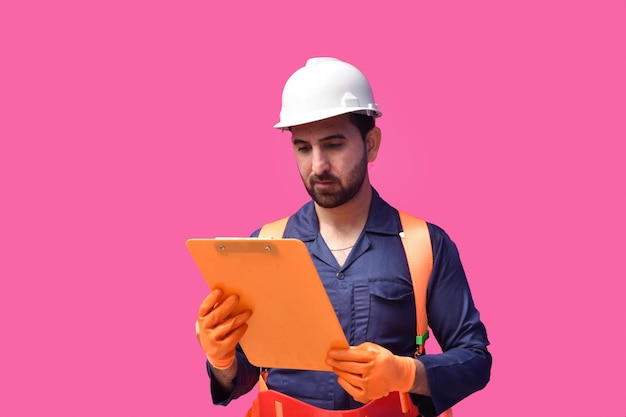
pixel 218 330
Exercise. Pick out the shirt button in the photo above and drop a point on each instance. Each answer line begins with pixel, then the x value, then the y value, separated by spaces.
pixel 339 275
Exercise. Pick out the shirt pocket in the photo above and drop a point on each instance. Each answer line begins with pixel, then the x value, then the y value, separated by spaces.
pixel 392 315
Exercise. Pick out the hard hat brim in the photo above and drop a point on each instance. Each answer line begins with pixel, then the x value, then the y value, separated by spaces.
pixel 325 114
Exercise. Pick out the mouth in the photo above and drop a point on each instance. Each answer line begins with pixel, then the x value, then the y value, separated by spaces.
pixel 323 183
pixel 324 187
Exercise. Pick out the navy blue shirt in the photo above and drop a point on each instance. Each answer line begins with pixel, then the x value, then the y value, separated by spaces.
pixel 372 295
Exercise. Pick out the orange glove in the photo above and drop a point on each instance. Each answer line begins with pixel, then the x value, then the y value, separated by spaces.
pixel 369 371
pixel 218 330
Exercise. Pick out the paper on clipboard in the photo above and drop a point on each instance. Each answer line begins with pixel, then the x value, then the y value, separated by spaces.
pixel 293 323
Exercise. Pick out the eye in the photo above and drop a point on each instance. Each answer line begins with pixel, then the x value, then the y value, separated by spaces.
pixel 334 145
pixel 303 148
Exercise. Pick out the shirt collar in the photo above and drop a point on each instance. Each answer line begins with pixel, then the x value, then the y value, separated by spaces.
pixel 382 219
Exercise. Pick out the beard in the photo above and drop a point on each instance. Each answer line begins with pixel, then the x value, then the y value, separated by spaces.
pixel 347 190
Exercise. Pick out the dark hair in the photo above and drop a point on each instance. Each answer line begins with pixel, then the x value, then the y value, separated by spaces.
pixel 363 122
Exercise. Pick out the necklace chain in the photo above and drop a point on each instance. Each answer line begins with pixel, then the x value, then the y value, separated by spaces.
pixel 337 250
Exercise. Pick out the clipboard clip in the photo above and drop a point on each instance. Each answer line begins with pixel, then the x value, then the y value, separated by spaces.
pixel 223 247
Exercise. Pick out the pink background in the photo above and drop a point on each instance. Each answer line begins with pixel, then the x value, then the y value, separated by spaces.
pixel 127 127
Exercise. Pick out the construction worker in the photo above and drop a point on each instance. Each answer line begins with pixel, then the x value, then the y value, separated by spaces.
pixel 352 235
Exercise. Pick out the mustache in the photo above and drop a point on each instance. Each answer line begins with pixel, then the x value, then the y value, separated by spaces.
pixel 323 177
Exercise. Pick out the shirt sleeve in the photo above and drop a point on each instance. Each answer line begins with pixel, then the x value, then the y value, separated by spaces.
pixel 246 379
pixel 464 366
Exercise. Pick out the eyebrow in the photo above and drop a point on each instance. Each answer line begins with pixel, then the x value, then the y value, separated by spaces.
pixel 329 137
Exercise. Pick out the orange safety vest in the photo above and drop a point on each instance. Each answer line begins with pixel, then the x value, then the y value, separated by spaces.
pixel 418 249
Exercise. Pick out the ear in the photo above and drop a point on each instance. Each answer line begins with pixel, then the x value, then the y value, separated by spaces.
pixel 372 143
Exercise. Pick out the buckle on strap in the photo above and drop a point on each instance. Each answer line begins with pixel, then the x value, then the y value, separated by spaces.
pixel 421 339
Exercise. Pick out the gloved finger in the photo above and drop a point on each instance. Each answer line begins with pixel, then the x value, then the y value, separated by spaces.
pixel 359 353
pixel 363 387
pixel 220 312
pixel 223 339
pixel 230 325
pixel 355 380
pixel 222 354
pixel 351 360
pixel 355 368
pixel 229 343
pixel 355 392
pixel 210 301
pixel 217 342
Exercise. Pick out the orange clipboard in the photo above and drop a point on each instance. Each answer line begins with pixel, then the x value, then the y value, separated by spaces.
pixel 293 323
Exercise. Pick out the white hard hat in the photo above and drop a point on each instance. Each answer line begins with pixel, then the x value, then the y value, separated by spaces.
pixel 323 88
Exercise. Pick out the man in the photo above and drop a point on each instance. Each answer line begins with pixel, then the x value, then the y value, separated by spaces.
pixel 353 238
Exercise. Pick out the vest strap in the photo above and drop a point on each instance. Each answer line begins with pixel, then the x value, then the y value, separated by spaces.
pixel 274 230
pixel 419 255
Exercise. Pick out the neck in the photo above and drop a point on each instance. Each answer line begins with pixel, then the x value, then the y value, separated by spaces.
pixel 349 218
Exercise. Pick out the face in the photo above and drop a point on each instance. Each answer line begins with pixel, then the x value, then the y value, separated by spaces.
pixel 332 158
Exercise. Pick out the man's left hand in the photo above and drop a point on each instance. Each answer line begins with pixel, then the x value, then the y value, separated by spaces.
pixel 369 371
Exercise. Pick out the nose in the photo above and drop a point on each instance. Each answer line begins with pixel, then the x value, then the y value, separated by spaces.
pixel 320 162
